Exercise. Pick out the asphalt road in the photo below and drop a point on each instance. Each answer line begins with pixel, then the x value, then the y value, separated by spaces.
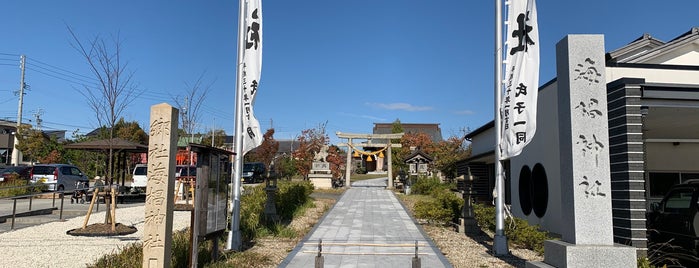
pixel 35 211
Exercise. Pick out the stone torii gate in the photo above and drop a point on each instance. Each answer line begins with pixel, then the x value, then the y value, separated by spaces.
pixel 369 143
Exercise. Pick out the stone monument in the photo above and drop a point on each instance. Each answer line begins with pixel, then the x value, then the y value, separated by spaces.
pixel 320 174
pixel 587 241
pixel 159 205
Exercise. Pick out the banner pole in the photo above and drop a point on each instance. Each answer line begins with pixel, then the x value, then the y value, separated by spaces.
pixel 234 235
pixel 500 240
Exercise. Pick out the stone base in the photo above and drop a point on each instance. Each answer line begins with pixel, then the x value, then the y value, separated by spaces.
pixel 321 181
pixel 468 226
pixel 563 254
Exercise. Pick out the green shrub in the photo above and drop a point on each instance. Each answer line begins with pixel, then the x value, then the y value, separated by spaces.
pixel 252 205
pixel 441 207
pixel 517 230
pixel 132 255
pixel 432 211
pixel 485 216
pixel 291 196
pixel 449 201
pixel 525 235
pixel 425 185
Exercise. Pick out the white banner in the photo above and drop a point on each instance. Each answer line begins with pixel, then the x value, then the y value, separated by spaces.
pixel 252 67
pixel 518 109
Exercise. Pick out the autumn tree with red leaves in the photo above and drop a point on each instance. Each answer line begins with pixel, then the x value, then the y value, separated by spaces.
pixel 266 151
pixel 310 142
pixel 337 159
pixel 447 153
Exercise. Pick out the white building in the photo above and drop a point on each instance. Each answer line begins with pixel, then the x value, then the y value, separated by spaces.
pixel 653 112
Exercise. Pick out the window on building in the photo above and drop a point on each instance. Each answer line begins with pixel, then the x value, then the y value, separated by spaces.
pixel 660 182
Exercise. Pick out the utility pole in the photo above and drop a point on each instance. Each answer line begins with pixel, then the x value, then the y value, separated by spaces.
pixel 16 154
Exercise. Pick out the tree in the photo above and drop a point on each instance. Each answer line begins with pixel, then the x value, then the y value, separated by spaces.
pixel 131 131
pixel 310 142
pixel 114 90
pixel 420 141
pixel 336 158
pixel 285 167
pixel 191 102
pixel 215 138
pixel 266 151
pixel 447 153
pixel 397 154
pixel 39 147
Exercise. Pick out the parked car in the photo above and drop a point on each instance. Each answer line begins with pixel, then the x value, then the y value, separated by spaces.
pixel 139 178
pixel 24 172
pixel 675 220
pixel 59 177
pixel 253 172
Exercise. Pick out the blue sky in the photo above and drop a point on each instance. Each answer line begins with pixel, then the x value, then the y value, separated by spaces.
pixel 347 63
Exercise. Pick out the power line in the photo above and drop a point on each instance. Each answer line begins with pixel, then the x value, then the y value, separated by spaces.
pixel 61 78
pixel 65 125
pixel 79 78
pixel 61 69
pixel 8 54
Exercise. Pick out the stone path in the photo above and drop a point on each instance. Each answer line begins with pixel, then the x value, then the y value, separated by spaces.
pixel 367 227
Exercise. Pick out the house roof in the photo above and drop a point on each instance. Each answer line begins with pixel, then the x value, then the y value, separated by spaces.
pixel 418 156
pixel 100 145
pixel 648 50
pixel 480 130
pixel 287 146
pixel 430 129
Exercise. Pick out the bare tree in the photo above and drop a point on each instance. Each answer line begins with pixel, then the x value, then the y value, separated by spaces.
pixel 112 93
pixel 114 90
pixel 191 102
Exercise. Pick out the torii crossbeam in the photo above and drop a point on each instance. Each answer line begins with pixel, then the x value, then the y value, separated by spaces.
pixel 369 138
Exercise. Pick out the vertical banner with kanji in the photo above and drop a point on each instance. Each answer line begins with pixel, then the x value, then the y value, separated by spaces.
pixel 252 67
pixel 518 108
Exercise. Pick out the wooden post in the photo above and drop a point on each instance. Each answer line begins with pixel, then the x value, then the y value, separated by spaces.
pixel 89 209
pixel 113 210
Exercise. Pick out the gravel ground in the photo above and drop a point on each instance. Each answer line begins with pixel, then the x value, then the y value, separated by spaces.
pixel 48 245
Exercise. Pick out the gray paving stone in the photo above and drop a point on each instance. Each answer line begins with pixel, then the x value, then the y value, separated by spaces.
pixel 367 213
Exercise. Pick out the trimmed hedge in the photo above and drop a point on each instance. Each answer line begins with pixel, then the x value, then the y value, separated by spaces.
pixel 517 230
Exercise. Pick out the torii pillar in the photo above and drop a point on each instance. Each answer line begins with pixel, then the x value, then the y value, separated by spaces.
pixel 369 138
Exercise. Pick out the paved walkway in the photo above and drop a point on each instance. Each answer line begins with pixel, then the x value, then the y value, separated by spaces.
pixel 367 227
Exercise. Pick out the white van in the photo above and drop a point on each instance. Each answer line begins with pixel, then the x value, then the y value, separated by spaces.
pixel 139 179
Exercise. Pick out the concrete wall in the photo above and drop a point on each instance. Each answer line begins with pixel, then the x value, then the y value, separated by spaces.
pixel 483 142
pixel 654 75
pixel 668 157
pixel 542 149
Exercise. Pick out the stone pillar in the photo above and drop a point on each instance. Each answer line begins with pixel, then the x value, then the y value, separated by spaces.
pixel 162 147
pixel 390 166
pixel 586 203
pixel 348 169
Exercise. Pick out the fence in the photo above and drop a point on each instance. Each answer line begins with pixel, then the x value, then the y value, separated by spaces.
pixel 18 202
pixel 320 258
